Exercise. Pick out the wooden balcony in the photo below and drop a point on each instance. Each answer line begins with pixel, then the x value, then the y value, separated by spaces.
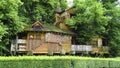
pixel 81 48
pixel 93 49
pixel 21 45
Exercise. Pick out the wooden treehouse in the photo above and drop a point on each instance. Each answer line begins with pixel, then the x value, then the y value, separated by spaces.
pixel 41 38
pixel 44 38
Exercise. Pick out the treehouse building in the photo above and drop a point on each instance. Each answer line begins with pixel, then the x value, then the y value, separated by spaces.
pixel 43 38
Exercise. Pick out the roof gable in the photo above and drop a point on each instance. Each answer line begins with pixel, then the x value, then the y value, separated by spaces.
pixel 37 23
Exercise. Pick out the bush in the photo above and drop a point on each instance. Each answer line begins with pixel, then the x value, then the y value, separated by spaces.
pixel 58 62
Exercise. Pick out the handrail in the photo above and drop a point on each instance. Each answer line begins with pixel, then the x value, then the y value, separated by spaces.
pixel 81 48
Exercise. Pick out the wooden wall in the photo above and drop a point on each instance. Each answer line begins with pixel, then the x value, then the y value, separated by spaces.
pixel 67 46
pixel 34 39
pixel 54 47
pixel 44 46
pixel 47 47
pixel 37 43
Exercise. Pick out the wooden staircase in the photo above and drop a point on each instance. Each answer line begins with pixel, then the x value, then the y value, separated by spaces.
pixel 42 48
pixel 45 47
pixel 37 43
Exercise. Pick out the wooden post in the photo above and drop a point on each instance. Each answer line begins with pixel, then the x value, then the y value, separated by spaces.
pixel 31 41
pixel 16 45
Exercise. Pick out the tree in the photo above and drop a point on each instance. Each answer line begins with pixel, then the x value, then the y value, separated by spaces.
pixel 10 22
pixel 97 18
pixel 90 20
pixel 41 10
pixel 113 28
pixel 15 14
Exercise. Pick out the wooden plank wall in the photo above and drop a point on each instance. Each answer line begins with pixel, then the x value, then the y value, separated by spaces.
pixel 53 42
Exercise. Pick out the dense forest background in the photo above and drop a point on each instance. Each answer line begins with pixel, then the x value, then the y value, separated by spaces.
pixel 93 18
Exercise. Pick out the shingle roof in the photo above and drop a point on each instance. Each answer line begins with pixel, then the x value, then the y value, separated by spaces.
pixel 48 28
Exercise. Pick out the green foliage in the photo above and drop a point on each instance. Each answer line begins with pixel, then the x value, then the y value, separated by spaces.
pixel 94 18
pixel 90 20
pixel 58 62
pixel 113 29
pixel 9 16
pixel 41 10
pixel 3 48
pixel 10 22
pixel 97 19
pixel 2 30
pixel 15 14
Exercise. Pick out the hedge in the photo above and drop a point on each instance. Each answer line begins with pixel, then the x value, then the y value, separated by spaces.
pixel 58 62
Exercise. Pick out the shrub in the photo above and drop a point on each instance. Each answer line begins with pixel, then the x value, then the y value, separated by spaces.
pixel 58 62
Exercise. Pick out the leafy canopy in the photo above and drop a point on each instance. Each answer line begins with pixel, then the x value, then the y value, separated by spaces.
pixel 90 19
pixel 10 22
pixel 41 10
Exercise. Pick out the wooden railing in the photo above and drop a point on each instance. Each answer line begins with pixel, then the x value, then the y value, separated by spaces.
pixel 81 48
pixel 21 45
pixel 94 49
pixel 21 41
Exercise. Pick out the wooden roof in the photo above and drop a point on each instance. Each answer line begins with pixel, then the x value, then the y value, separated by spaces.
pixel 47 28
